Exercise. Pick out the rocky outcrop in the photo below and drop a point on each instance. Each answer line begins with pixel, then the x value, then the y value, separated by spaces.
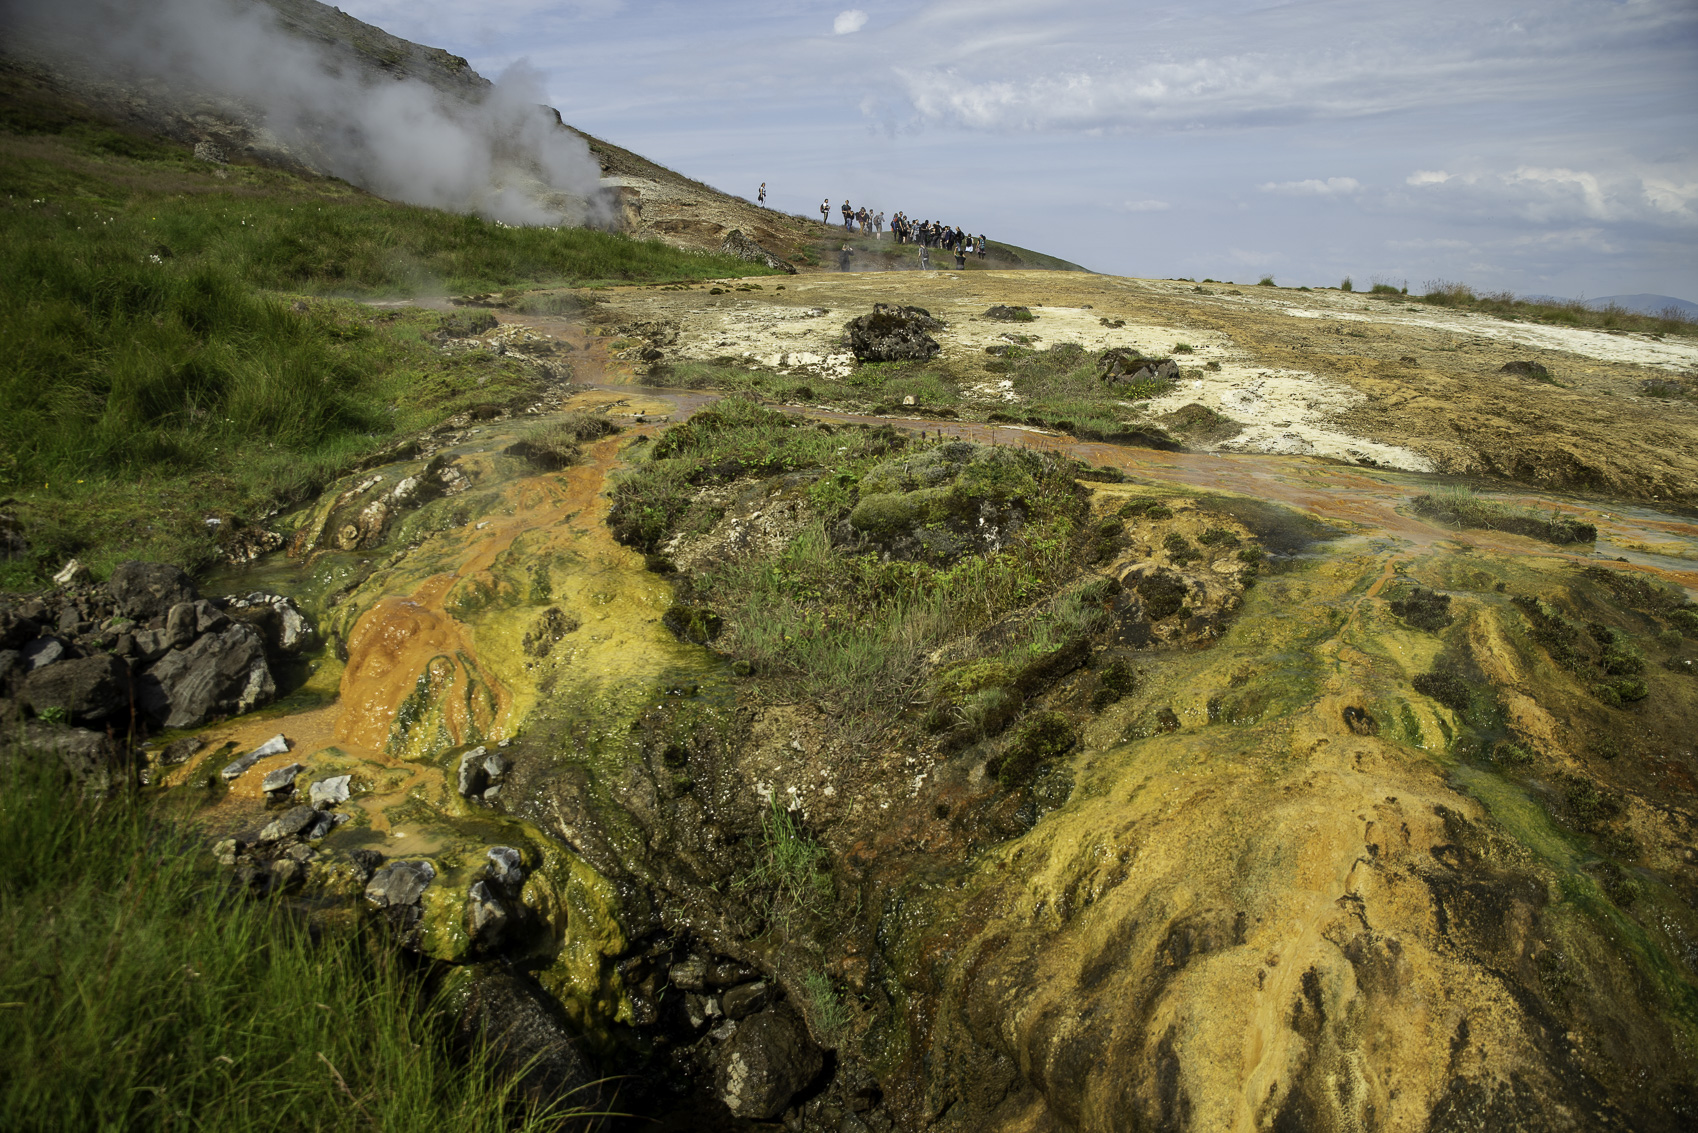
pixel 745 249
pixel 221 674
pixel 144 649
pixel 894 334
pixel 1122 367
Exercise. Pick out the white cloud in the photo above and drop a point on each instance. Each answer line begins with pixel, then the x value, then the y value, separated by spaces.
pixel 1331 187
pixel 1428 177
pixel 1144 206
pixel 849 22
pixel 1559 195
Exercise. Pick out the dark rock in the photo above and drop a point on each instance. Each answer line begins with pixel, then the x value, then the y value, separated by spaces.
pixel 11 665
pixel 283 778
pixel 1525 369
pixel 290 823
pixel 279 621
pixel 725 972
pixel 486 916
pixel 473 779
pixel 745 249
pixel 70 621
pixel 180 624
pixel 399 883
pixel 44 651
pixel 286 874
pixel 220 674
pixel 34 610
pixel 894 334
pixel 179 751
pixel 149 590
pixel 532 1045
pixel 695 625
pixel 767 1062
pixel 745 999
pixel 366 861
pixel 151 644
pixel 1010 314
pixel 1119 366
pixel 505 867
pixel 93 759
pixel 89 689
pixel 689 974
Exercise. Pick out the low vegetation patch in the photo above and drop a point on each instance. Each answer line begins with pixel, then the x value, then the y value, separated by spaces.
pixel 169 347
pixel 898 544
pixel 560 443
pixel 1574 313
pixel 1460 507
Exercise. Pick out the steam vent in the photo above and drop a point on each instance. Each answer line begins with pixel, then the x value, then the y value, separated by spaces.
pixel 544 643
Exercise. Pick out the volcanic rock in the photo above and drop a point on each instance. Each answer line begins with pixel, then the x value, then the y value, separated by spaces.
pixel 894 334
pixel 768 1061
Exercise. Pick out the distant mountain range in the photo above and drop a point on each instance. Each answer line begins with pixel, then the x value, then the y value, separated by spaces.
pixel 1644 304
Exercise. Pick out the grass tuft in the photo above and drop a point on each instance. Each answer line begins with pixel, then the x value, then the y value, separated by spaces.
pixel 138 993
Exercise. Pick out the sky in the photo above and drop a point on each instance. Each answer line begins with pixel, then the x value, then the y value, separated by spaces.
pixel 1541 148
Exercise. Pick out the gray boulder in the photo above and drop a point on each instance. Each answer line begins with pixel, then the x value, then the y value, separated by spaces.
pixel 400 883
pixel 89 689
pixel 290 823
pixel 94 759
pixel 149 590
pixel 768 1061
pixel 220 674
pixel 329 792
pixel 44 651
pixel 486 916
pixel 894 334
pixel 283 778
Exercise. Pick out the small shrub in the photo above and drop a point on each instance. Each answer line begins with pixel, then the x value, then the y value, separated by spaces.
pixel 1224 536
pixel 1184 348
pixel 1147 508
pixel 1447 687
pixel 1346 285
pixel 1510 754
pixel 1424 609
pixel 1266 281
pixel 1179 548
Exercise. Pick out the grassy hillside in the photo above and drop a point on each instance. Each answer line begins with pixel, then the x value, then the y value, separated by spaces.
pixel 177 340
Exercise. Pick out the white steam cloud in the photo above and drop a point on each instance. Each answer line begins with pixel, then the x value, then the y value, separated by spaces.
pixel 494 151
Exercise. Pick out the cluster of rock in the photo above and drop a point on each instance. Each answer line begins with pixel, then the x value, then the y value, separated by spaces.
pixel 760 1050
pixel 894 334
pixel 143 650
pixel 1121 366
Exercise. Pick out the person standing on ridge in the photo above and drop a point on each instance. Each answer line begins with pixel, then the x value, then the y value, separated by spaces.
pixel 760 197
pixel 981 245
pixel 825 211
pixel 848 217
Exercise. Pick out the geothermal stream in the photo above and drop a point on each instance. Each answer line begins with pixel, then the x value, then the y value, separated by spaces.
pixel 509 601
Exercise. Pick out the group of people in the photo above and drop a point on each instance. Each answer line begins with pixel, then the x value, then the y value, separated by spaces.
pixel 926 234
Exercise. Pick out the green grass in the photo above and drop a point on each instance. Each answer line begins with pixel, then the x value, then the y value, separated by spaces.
pixel 815 620
pixel 1575 313
pixel 166 329
pixel 790 877
pixel 1460 507
pixel 136 992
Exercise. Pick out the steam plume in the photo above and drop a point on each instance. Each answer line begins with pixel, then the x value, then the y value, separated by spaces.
pixel 461 144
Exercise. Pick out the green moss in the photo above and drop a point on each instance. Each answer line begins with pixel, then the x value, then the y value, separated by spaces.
pixel 1038 740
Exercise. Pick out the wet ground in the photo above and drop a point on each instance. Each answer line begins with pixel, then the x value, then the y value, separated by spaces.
pixel 1247 842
